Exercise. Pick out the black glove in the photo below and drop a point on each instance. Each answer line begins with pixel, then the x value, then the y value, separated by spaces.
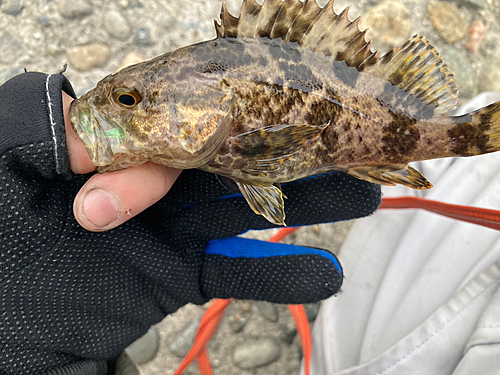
pixel 71 299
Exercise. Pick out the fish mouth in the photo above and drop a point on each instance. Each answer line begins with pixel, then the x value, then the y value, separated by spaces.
pixel 102 137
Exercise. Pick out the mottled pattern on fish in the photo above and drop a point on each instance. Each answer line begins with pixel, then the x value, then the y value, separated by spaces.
pixel 285 91
pixel 366 120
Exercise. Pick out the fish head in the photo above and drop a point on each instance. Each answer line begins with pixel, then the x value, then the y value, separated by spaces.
pixel 150 112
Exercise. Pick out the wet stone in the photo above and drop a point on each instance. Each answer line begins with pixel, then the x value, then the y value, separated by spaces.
pixel 12 8
pixel 448 21
pixel 268 310
pixel 142 37
pixel 43 20
pixel 185 339
pixel 116 25
pixel 144 349
pixel 88 57
pixel 388 22
pixel 254 353
pixel 10 48
pixel 74 8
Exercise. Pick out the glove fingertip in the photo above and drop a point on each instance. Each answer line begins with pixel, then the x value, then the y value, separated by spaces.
pixel 250 269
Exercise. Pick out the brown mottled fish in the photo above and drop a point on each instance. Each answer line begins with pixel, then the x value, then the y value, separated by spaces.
pixel 285 91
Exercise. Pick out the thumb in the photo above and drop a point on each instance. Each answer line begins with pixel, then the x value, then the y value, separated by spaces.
pixel 242 268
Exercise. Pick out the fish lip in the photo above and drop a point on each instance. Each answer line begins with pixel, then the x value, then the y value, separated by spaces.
pixel 93 129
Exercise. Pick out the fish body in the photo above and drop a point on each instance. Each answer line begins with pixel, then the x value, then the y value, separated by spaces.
pixel 286 91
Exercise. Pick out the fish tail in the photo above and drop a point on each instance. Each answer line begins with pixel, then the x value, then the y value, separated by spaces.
pixel 491 116
pixel 476 133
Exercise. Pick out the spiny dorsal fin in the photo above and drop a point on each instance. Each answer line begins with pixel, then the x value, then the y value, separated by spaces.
pixel 319 29
pixel 417 68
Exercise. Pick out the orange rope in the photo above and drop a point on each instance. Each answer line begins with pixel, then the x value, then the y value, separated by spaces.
pixel 282 233
pixel 208 325
pixel 204 362
pixel 476 215
pixel 304 331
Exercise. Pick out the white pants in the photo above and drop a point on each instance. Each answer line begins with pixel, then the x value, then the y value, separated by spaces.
pixel 421 292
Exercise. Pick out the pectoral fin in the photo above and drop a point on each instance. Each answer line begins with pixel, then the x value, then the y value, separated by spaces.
pixel 265 200
pixel 268 147
pixel 391 175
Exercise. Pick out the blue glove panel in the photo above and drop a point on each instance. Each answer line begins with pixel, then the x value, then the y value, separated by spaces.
pixel 238 247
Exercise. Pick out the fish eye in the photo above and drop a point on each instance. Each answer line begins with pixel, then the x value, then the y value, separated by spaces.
pixel 127 98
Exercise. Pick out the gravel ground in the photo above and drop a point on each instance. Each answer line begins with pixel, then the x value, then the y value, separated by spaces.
pixel 97 37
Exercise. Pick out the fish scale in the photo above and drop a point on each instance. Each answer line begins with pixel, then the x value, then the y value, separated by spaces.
pixel 287 90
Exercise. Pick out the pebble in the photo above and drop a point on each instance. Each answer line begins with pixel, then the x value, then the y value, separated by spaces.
pixel 184 340
pixel 257 352
pixel 8 73
pixel 116 25
pixel 10 48
pixel 142 37
pixel 288 332
pixel 477 32
pixel 43 20
pixel 245 306
pixel 126 365
pixel 13 8
pixel 237 322
pixel 131 59
pixel 388 22
pixel 74 8
pixel 123 4
pixel 447 20
pixel 145 348
pixel 268 310
pixel 472 4
pixel 53 49
pixel 88 57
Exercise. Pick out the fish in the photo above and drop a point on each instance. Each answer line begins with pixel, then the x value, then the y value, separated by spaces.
pixel 285 91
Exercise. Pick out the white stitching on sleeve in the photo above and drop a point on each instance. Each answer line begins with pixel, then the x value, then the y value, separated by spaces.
pixel 52 124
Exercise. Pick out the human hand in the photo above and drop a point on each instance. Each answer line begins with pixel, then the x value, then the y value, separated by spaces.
pixel 72 298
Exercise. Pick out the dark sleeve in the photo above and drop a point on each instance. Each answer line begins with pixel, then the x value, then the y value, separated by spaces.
pixel 32 113
pixel 33 138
